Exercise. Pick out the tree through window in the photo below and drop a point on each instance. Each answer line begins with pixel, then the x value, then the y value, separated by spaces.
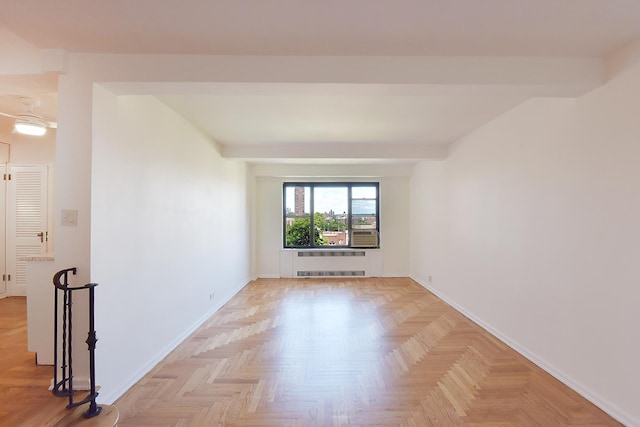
pixel 330 212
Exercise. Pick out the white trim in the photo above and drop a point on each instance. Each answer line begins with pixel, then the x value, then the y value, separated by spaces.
pixel 268 276
pixel 608 407
pixel 394 275
pixel 119 391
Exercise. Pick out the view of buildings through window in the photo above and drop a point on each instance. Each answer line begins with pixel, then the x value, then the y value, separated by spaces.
pixel 331 210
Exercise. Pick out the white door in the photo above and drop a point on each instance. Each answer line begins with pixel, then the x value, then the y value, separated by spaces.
pixel 27 232
pixel 3 234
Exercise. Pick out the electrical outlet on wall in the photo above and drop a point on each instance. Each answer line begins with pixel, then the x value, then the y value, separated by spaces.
pixel 429 279
pixel 212 295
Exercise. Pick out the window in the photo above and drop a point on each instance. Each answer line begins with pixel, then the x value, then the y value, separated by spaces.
pixel 335 214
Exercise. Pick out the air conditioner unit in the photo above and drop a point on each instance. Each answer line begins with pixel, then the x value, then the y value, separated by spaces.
pixel 364 239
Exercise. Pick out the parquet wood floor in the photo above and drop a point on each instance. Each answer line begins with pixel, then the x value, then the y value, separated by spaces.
pixel 25 399
pixel 357 352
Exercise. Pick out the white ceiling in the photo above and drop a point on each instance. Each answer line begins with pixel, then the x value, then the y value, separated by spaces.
pixel 313 115
pixel 328 27
pixel 320 113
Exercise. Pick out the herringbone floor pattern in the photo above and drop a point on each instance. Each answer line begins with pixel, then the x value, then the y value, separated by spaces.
pixel 363 352
pixel 25 400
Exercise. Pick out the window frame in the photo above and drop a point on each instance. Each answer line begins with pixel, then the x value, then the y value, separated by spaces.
pixel 312 185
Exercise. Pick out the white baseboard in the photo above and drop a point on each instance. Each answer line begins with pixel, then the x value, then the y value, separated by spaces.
pixel 108 399
pixel 277 276
pixel 579 388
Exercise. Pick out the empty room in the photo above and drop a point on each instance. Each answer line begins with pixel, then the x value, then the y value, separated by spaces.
pixel 321 213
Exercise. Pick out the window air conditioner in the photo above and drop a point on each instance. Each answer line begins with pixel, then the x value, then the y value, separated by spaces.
pixel 364 239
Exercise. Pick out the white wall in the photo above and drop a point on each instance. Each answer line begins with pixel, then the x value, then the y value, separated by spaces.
pixel 31 149
pixel 394 210
pixel 394 225
pixel 533 230
pixel 169 228
pixel 268 215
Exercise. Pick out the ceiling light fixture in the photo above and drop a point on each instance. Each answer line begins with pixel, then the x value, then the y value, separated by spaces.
pixel 30 124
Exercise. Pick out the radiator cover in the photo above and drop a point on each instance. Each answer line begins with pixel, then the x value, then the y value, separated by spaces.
pixel 330 263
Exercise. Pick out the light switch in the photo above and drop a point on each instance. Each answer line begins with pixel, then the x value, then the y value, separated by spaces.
pixel 69 217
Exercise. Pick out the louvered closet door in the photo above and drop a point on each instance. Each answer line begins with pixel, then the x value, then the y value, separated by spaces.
pixel 3 234
pixel 27 220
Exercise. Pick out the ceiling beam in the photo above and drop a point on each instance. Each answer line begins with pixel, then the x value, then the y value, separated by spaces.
pixel 354 151
pixel 179 74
